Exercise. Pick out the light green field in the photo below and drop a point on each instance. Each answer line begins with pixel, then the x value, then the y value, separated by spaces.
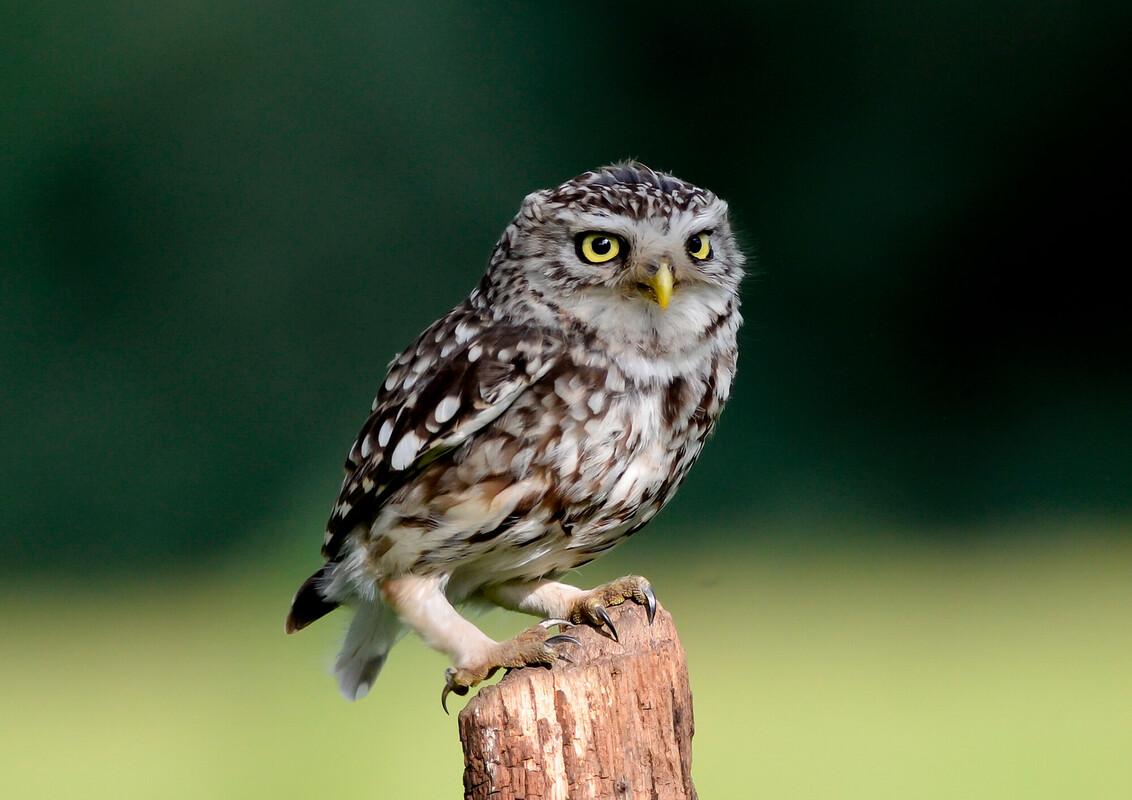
pixel 991 672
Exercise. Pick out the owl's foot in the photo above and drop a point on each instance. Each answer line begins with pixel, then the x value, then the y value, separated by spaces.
pixel 536 646
pixel 590 608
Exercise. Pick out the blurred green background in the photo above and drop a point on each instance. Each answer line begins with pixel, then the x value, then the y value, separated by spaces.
pixel 902 569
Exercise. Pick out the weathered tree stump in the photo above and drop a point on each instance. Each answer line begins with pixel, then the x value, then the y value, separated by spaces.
pixel 615 724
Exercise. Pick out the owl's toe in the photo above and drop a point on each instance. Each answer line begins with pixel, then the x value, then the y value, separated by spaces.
pixel 536 646
pixel 591 608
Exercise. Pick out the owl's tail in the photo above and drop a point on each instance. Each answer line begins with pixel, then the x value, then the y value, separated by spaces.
pixel 374 630
pixel 310 603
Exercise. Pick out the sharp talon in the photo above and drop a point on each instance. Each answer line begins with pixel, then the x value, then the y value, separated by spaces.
pixel 606 620
pixel 550 623
pixel 650 603
pixel 563 639
pixel 566 658
pixel 450 688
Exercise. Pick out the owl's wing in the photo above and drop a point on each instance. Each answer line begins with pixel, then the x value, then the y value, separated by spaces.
pixel 460 374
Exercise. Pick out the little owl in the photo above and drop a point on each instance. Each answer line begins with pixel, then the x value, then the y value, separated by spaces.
pixel 540 422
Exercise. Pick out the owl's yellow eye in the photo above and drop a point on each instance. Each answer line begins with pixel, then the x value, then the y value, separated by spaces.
pixel 597 248
pixel 699 246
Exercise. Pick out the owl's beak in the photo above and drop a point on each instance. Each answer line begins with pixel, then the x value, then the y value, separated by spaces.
pixel 660 285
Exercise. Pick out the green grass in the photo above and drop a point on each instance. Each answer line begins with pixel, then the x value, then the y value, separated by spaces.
pixel 907 673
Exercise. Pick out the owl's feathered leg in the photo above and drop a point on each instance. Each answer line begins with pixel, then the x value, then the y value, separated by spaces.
pixel 421 604
pixel 561 600
pixel 541 598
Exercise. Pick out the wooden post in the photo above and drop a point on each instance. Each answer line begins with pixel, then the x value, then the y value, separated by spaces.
pixel 615 724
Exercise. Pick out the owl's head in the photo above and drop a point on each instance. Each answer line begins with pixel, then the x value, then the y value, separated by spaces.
pixel 630 254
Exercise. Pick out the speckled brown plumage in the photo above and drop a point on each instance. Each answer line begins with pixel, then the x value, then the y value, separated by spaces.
pixel 540 422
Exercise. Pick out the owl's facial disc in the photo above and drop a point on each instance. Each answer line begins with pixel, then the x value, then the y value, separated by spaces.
pixel 638 258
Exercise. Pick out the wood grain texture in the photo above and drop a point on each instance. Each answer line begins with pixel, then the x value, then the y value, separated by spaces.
pixel 615 724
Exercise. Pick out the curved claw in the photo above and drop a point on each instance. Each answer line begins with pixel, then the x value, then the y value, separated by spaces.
pixel 450 687
pixel 650 603
pixel 562 638
pixel 550 623
pixel 606 620
pixel 457 690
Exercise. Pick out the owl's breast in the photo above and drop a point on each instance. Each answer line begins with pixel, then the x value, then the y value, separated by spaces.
pixel 616 451
pixel 582 459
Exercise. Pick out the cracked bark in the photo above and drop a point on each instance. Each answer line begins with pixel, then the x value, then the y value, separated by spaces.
pixel 615 724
